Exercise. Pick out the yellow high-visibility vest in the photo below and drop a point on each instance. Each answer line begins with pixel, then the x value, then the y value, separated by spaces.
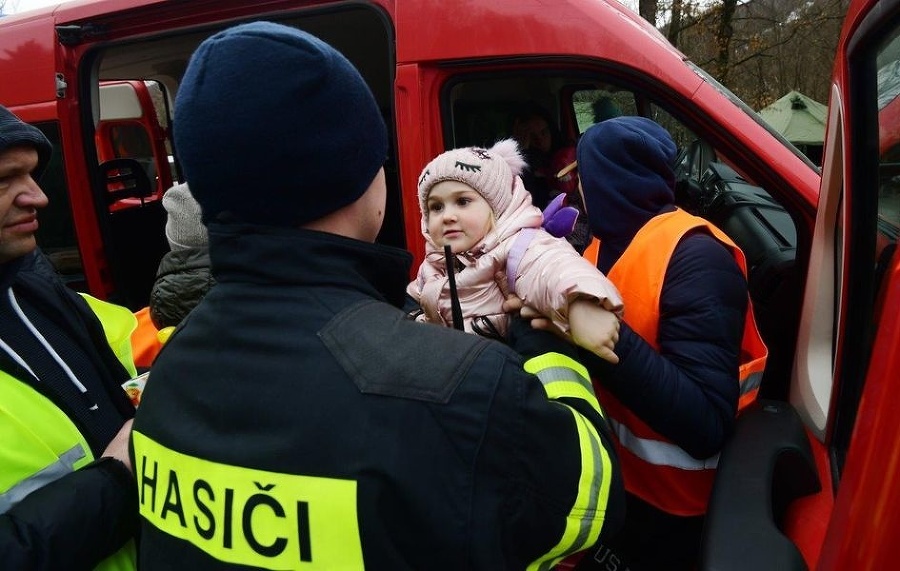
pixel 41 443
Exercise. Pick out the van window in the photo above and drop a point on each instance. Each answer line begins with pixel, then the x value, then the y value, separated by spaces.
pixel 889 136
pixel 594 105
pixel 887 230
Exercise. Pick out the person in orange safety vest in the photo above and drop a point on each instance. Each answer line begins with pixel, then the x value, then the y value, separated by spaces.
pixel 690 354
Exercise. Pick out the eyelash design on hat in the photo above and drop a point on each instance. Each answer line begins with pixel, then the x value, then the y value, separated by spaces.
pixel 424 176
pixel 467 167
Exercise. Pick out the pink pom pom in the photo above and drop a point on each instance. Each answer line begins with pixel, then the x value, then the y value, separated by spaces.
pixel 508 150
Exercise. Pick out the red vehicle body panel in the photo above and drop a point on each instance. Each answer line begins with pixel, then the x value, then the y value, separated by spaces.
pixel 29 58
pixel 865 525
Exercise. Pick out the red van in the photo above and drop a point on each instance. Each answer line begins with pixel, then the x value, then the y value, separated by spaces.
pixel 806 463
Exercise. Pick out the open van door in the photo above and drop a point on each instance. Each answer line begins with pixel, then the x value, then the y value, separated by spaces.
pixel 134 119
pixel 821 492
pixel 135 169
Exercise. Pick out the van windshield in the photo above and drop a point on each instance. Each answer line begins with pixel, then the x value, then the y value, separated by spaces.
pixel 753 114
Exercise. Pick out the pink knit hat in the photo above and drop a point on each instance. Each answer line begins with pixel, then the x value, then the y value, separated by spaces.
pixel 491 172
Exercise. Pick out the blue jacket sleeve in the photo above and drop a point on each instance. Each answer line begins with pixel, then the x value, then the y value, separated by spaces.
pixel 688 391
pixel 72 523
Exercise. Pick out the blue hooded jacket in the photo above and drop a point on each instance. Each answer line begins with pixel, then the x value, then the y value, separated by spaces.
pixel 688 390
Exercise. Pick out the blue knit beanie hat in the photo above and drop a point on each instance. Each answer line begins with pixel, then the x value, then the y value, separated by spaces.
pixel 16 133
pixel 626 169
pixel 275 127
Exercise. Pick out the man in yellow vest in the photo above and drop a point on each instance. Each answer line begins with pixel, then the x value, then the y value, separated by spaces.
pixel 690 356
pixel 63 359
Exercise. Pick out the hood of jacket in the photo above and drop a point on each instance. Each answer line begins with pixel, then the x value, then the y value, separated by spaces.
pixel 627 177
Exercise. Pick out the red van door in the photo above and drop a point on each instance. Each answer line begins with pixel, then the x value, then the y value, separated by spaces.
pixel 134 118
pixel 821 491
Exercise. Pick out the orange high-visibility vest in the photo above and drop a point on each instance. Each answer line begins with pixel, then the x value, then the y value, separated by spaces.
pixel 653 467
pixel 144 340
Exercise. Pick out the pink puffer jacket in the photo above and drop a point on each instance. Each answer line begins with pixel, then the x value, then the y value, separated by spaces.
pixel 549 276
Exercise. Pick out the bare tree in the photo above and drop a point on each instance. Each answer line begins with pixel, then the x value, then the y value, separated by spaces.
pixel 761 49
pixel 675 22
pixel 724 33
pixel 648 10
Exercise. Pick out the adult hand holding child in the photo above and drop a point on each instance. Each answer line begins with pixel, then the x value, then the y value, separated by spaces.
pixel 591 326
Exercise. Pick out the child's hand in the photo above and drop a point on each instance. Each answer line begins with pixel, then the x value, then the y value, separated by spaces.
pixel 594 328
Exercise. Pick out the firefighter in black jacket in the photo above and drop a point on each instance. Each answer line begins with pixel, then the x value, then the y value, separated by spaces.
pixel 298 419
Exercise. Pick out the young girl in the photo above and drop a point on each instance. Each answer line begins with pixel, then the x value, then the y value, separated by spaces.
pixel 474 200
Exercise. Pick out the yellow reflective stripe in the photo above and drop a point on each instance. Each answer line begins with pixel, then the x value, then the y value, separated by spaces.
pixel 563 376
pixel 245 516
pixel 585 519
pixel 660 453
pixel 548 360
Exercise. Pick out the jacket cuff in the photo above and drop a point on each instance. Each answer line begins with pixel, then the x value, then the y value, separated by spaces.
pixel 114 468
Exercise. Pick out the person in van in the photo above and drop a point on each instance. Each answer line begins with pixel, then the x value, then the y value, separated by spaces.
pixel 605 107
pixel 564 181
pixel 689 354
pixel 67 497
pixel 309 433
pixel 182 279
pixel 538 141
pixel 474 201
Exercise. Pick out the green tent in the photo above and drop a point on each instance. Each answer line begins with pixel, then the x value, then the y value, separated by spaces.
pixel 802 122
pixel 800 119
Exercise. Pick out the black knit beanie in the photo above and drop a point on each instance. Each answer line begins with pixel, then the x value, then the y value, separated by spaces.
pixel 275 127
pixel 16 133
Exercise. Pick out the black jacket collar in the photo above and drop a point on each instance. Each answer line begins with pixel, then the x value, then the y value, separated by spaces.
pixel 261 254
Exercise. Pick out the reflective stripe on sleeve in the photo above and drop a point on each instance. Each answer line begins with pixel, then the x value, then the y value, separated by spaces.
pixel 585 519
pixel 563 376
pixel 64 465
pixel 749 388
pixel 658 452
